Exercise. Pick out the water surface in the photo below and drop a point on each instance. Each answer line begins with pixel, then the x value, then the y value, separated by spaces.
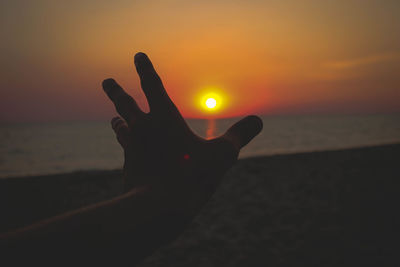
pixel 43 148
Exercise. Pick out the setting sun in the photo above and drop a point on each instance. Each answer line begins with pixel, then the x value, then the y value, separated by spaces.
pixel 211 102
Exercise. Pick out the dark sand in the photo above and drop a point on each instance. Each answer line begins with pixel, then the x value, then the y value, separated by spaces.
pixel 334 208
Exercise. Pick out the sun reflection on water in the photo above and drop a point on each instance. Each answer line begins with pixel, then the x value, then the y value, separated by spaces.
pixel 211 129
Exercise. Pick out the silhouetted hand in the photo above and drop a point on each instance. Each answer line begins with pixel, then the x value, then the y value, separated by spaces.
pixel 162 152
pixel 169 174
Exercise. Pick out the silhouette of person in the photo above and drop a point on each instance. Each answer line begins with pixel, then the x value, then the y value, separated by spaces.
pixel 169 174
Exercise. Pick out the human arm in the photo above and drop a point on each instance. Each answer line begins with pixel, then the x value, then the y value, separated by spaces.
pixel 126 228
pixel 169 174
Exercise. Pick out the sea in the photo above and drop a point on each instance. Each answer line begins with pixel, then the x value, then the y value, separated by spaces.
pixel 60 147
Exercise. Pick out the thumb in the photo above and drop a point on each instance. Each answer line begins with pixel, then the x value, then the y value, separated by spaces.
pixel 242 132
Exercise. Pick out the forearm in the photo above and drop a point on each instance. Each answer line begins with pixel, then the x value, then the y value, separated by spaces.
pixel 132 225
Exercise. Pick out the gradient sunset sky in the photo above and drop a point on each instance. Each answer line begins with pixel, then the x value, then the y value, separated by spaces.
pixel 262 57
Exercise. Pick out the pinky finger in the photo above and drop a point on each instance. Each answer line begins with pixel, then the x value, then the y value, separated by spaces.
pixel 121 129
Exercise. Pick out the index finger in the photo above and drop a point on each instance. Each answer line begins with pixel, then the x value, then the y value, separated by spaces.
pixel 152 85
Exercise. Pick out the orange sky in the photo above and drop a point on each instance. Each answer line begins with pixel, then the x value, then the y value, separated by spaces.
pixel 265 57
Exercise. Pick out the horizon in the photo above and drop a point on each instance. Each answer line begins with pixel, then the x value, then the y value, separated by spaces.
pixel 269 115
pixel 267 58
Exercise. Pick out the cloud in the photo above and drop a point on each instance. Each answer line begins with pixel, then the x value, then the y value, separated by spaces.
pixel 368 60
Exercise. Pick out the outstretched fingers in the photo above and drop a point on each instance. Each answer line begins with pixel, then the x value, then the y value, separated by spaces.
pixel 121 129
pixel 242 132
pixel 151 83
pixel 124 103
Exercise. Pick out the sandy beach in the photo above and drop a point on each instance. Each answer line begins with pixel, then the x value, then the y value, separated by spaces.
pixel 332 208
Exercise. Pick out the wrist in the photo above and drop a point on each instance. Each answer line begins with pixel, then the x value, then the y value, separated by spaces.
pixel 162 200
